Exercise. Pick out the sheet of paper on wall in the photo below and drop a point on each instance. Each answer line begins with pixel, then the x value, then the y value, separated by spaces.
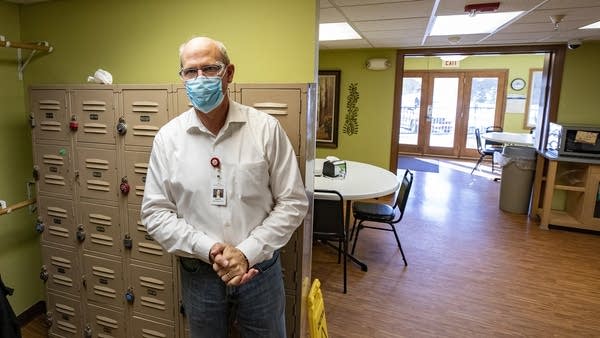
pixel 586 137
pixel 515 103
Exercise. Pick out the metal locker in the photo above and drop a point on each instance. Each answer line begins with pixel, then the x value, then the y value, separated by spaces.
pixel 145 111
pixel 143 246
pixel 49 110
pixel 146 328
pixel 291 315
pixel 182 103
pixel 288 256
pixel 153 291
pixel 98 173
pixel 93 111
pixel 104 280
pixel 64 316
pixel 136 164
pixel 104 323
pixel 53 167
pixel 60 270
pixel 283 103
pixel 99 228
pixel 57 220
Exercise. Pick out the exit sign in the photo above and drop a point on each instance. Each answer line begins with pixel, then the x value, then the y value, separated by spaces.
pixel 450 64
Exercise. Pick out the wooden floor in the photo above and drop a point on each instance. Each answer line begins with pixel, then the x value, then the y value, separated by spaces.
pixel 473 270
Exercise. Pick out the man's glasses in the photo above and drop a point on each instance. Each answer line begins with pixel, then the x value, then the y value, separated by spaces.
pixel 207 70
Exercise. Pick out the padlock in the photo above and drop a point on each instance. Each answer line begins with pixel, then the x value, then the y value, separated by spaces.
pixel 121 126
pixel 39 225
pixel 80 233
pixel 124 187
pixel 49 319
pixel 73 124
pixel 44 274
pixel 87 332
pixel 129 296
pixel 127 242
pixel 36 172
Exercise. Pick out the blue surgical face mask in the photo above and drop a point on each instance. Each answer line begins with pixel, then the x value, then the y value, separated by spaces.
pixel 205 93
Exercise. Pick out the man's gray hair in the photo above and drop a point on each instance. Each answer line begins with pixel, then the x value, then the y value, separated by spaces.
pixel 220 46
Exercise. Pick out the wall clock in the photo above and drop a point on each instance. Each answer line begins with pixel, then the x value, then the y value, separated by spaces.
pixel 517 84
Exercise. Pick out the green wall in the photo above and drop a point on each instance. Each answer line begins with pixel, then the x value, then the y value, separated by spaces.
pixel 20 257
pixel 375 104
pixel 579 99
pixel 137 41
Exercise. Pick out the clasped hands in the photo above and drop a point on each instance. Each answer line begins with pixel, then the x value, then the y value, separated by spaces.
pixel 231 264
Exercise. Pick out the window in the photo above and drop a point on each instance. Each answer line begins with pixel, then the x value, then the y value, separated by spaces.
pixel 535 97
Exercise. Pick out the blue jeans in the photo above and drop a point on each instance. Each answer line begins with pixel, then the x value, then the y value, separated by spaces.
pixel 256 308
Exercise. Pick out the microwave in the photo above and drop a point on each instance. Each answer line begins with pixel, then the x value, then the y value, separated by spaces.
pixel 577 140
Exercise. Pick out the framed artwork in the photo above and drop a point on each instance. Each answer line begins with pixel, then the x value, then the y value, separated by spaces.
pixel 328 110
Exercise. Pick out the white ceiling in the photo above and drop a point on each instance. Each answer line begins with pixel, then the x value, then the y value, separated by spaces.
pixel 403 23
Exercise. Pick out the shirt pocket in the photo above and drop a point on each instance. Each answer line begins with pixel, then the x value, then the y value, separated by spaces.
pixel 251 180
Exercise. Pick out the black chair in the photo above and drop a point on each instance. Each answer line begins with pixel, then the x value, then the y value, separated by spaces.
pixel 492 144
pixel 383 213
pixel 483 152
pixel 328 223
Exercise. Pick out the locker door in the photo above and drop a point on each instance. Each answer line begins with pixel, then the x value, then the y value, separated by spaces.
pixel 61 268
pixel 53 164
pixel 145 111
pixel 153 292
pixel 65 316
pixel 289 258
pixel 95 112
pixel 144 247
pixel 49 108
pixel 104 280
pixel 102 228
pixel 98 173
pixel 151 329
pixel 182 103
pixel 104 323
pixel 137 167
pixel 283 103
pixel 58 219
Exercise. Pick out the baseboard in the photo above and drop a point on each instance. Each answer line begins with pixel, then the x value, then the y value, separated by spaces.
pixel 31 313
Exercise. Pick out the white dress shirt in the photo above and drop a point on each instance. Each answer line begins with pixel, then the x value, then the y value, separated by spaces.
pixel 264 193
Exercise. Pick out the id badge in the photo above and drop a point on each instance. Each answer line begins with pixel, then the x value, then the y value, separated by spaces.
pixel 218 194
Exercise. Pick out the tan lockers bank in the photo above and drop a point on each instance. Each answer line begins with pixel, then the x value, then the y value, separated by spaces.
pixel 104 275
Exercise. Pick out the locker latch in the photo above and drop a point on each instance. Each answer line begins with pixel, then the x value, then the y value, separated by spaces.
pixel 129 296
pixel 80 233
pixel 124 187
pixel 121 126
pixel 36 172
pixel 44 273
pixel 39 225
pixel 48 320
pixel 127 242
pixel 73 124
pixel 87 332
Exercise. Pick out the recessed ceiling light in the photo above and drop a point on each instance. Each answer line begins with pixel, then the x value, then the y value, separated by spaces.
pixel 465 24
pixel 594 25
pixel 337 31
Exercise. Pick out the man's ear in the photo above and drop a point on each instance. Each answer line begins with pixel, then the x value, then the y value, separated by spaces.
pixel 229 73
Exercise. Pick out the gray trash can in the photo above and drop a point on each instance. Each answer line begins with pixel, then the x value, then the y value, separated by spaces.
pixel 518 169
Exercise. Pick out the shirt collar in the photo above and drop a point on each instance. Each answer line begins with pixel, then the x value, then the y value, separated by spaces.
pixel 234 115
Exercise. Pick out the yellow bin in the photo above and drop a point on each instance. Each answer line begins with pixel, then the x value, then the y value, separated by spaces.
pixel 316 311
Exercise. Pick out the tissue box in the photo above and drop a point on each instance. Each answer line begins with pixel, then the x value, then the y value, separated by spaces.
pixel 334 168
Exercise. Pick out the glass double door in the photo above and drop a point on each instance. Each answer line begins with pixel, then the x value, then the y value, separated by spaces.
pixel 440 110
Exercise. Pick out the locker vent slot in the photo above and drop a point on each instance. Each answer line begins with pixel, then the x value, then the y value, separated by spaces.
pixel 61 262
pixel 105 292
pixel 272 108
pixel 139 190
pixel 153 283
pixel 151 249
pixel 57 212
pixel 49 105
pixel 153 303
pixel 95 128
pixel 98 185
pixel 140 168
pixel 95 163
pixel 66 326
pixel 102 240
pixel 143 130
pixel 107 322
pixel 54 180
pixel 50 126
pixel 147 333
pixel 58 231
pixel 99 219
pixel 141 227
pixel 144 107
pixel 94 106
pixel 65 309
pixel 103 272
pixel 53 160
pixel 62 280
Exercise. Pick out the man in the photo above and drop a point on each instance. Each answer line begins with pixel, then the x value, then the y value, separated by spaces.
pixel 224 193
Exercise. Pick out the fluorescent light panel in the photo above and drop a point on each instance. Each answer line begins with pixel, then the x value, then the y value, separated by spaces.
pixel 337 31
pixel 594 25
pixel 464 24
